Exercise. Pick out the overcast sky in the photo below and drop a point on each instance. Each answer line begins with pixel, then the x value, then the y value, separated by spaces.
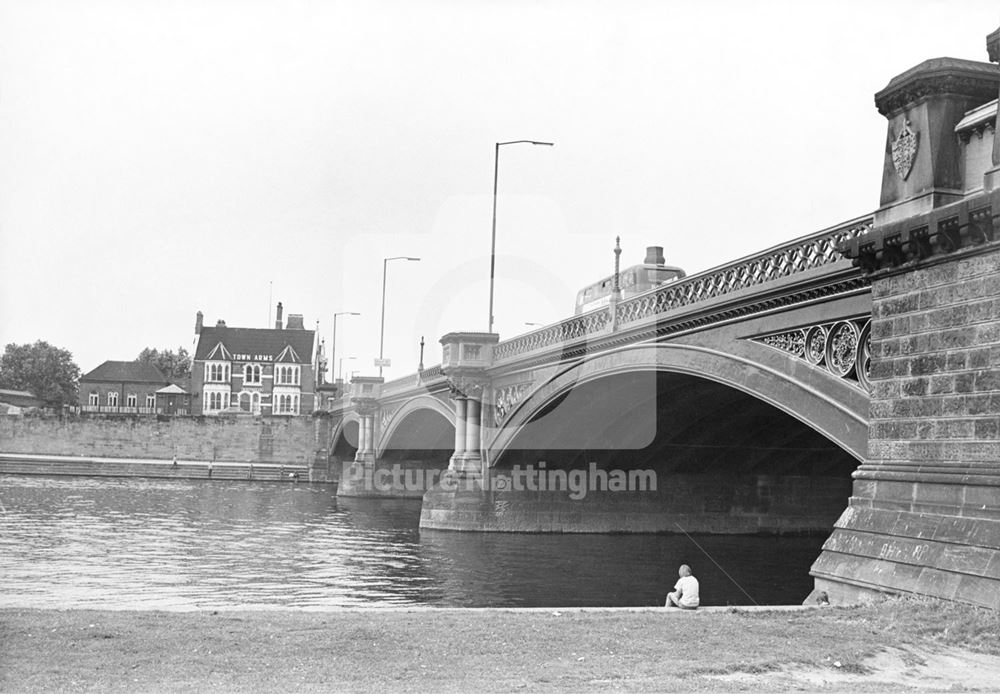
pixel 160 158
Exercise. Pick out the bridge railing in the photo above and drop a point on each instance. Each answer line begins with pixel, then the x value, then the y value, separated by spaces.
pixel 797 256
pixel 405 384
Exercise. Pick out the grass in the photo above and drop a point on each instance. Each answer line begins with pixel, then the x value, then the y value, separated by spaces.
pixel 462 650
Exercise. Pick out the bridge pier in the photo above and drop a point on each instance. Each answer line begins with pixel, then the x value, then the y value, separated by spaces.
pixel 924 516
pixel 356 477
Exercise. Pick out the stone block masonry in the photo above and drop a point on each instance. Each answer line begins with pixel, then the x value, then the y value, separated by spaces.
pixel 282 441
pixel 925 512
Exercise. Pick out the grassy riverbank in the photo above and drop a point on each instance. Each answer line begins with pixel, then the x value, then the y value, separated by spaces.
pixel 899 645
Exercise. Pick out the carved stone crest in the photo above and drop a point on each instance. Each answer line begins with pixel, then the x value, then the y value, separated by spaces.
pixel 904 150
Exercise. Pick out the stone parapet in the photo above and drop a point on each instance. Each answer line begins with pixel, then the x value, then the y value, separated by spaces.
pixel 968 226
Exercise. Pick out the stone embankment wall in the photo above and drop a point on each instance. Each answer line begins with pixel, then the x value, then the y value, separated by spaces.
pixel 282 441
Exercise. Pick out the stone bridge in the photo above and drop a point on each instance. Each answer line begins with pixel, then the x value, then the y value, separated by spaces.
pixel 846 382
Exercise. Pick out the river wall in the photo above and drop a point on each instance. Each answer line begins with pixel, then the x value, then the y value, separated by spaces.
pixel 294 442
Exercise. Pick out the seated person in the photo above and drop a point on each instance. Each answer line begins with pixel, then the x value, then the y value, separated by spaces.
pixel 685 593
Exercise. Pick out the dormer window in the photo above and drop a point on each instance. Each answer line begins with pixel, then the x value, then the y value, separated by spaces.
pixel 216 372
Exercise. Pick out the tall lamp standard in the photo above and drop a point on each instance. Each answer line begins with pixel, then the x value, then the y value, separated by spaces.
pixel 493 239
pixel 333 351
pixel 381 337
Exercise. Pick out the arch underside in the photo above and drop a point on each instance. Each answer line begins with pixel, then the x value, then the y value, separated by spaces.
pixel 344 438
pixel 423 427
pixel 658 396
pixel 419 431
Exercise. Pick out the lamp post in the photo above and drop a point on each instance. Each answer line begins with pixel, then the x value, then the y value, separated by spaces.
pixel 333 350
pixel 340 367
pixel 493 238
pixel 381 337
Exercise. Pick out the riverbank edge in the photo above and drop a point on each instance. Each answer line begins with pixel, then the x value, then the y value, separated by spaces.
pixel 155 468
pixel 771 648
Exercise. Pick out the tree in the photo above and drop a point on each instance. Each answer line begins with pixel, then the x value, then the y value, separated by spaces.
pixel 175 366
pixel 47 372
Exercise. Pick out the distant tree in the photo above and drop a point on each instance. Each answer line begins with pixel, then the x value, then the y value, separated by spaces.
pixel 45 371
pixel 174 365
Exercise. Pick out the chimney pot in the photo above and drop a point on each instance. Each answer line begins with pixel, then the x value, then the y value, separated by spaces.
pixel 199 320
pixel 277 318
pixel 654 255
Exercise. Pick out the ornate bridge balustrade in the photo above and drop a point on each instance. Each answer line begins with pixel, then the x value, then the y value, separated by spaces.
pixel 816 252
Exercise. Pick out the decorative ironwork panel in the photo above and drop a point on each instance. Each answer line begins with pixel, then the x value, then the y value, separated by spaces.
pixel 506 400
pixel 843 348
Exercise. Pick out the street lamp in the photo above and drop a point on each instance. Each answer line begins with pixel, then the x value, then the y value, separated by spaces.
pixel 340 367
pixel 381 337
pixel 493 239
pixel 333 351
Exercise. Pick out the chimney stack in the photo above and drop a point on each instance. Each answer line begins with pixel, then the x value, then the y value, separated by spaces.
pixel 277 318
pixel 220 323
pixel 654 256
pixel 199 319
pixel 295 322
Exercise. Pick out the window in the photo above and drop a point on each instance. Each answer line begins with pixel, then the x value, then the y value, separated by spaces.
pixel 288 404
pixel 217 401
pixel 216 371
pixel 112 399
pixel 286 375
pixel 151 400
pixel 94 399
pixel 251 374
pixel 131 400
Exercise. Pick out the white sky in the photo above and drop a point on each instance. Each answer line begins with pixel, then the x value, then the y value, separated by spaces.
pixel 157 157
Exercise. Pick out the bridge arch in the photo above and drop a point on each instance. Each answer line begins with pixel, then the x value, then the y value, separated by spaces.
pixel 823 406
pixel 423 403
pixel 341 434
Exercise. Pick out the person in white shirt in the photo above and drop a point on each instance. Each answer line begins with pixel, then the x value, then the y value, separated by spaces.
pixel 685 593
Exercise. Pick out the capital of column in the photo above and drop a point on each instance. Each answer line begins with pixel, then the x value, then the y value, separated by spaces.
pixel 467 384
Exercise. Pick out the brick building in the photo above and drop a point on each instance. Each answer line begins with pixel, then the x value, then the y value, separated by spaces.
pixel 121 387
pixel 254 370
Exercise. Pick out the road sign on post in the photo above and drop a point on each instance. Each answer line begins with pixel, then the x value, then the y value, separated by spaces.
pixel 386 363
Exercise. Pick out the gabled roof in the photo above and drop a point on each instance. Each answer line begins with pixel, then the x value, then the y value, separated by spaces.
pixel 126 372
pixel 240 342
pixel 288 356
pixel 220 352
pixel 172 389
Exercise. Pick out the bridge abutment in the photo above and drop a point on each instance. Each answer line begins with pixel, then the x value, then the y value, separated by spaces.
pixel 924 516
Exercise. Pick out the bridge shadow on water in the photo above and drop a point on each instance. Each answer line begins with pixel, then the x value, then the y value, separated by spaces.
pixel 581 570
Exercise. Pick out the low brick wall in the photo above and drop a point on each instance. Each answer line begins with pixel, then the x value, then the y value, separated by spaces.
pixel 289 441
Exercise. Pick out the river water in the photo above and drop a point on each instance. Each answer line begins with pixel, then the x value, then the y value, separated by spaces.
pixel 127 543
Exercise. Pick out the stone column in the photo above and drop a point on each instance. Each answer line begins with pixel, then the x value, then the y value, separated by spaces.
pixel 472 445
pixel 460 410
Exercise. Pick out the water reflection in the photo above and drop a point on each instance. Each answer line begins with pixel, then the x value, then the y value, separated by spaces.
pixel 172 544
